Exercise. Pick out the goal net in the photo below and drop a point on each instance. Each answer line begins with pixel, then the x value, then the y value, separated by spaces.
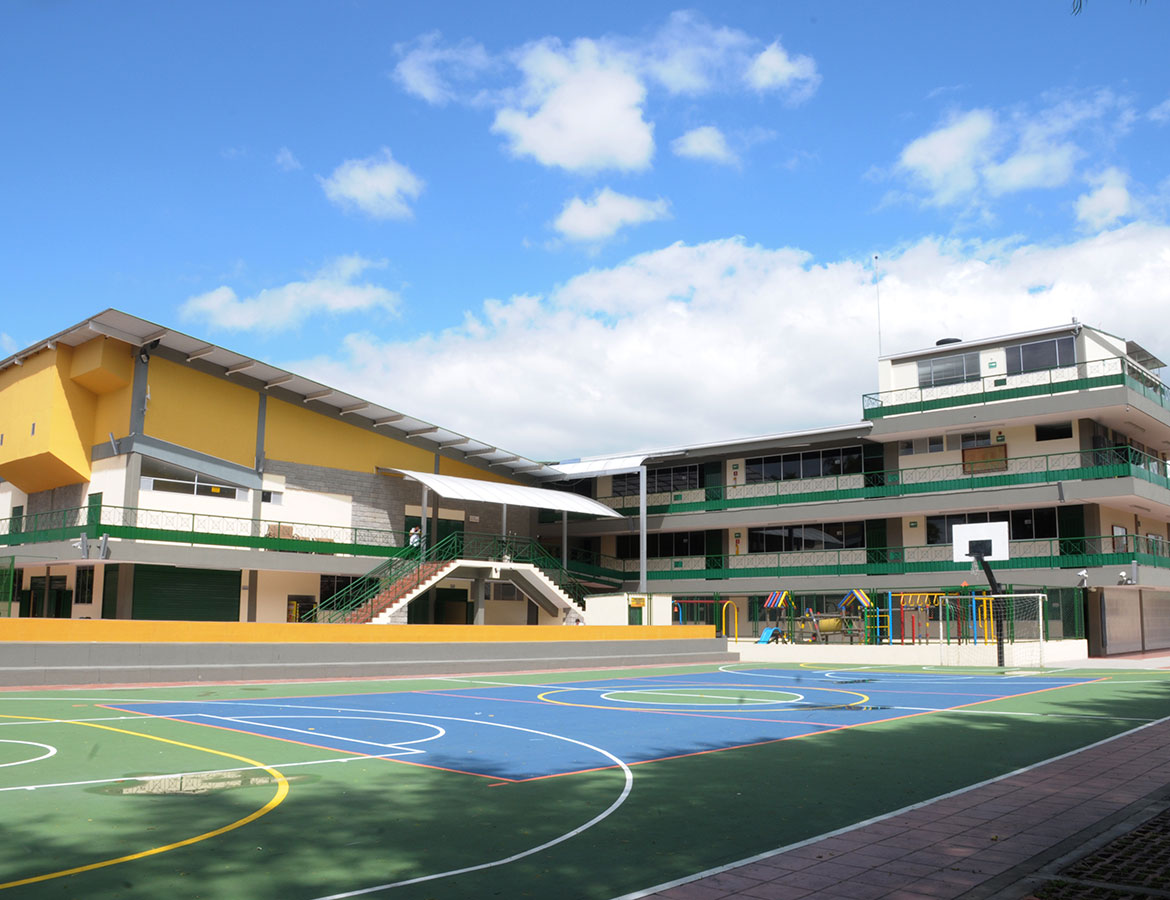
pixel 992 630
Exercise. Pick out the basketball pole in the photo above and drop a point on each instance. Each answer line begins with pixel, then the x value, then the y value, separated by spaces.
pixel 996 608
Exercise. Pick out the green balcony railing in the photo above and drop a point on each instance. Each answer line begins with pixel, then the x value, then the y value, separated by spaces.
pixel 997 388
pixel 1074 465
pixel 1042 553
pixel 130 523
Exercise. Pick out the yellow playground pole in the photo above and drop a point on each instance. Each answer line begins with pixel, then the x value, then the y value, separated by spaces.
pixel 735 618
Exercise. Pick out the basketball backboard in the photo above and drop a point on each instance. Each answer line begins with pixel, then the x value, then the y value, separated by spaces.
pixel 990 537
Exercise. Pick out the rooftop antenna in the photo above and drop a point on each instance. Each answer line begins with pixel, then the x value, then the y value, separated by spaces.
pixel 878 295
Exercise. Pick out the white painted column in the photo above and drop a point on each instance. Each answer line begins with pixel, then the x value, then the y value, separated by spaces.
pixel 641 529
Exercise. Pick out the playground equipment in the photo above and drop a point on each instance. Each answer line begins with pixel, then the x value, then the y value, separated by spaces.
pixel 735 617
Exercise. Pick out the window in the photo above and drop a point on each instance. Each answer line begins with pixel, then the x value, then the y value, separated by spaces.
pixel 83 588
pixel 905 448
pixel 819 536
pixel 935 444
pixel 664 544
pixel 161 476
pixel 274 497
pixel 809 464
pixel 953 369
pixel 1055 431
pixel 1039 355
pixel 658 481
pixel 970 439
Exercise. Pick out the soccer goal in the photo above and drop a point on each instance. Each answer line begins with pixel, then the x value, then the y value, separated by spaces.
pixel 992 630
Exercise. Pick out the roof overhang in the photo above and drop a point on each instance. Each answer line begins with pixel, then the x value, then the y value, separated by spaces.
pixel 472 489
pixel 149 337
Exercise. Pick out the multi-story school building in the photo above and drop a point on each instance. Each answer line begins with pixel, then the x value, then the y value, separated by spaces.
pixel 150 474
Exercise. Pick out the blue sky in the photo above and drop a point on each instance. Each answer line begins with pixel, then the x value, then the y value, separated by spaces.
pixel 580 228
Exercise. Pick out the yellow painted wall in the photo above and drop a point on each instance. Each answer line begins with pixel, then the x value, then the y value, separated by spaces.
pixel 201 412
pixel 112 414
pixel 463 470
pixel 135 630
pixel 41 393
pixel 295 434
pixel 102 365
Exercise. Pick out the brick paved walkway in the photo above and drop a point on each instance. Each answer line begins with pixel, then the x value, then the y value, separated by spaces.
pixel 977 844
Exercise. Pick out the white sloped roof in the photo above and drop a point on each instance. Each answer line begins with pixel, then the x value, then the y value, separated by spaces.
pixel 611 465
pixel 454 488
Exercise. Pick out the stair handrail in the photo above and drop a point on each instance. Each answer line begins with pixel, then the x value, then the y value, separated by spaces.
pixel 355 596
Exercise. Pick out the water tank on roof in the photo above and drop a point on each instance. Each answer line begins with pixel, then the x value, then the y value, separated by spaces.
pixel 942 341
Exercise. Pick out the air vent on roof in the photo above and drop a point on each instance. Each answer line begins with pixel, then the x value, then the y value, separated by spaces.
pixel 942 341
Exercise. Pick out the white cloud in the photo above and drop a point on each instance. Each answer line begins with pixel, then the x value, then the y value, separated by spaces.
pixel 430 71
pixel 774 69
pixel 601 217
pixel 332 290
pixel 947 161
pixel 1108 202
pixel 690 56
pixel 286 161
pixel 582 105
pixel 580 108
pixel 7 343
pixel 979 155
pixel 622 358
pixel 1160 113
pixel 378 186
pixel 705 142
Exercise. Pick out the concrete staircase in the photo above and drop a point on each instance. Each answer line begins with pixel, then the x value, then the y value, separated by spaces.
pixel 397 594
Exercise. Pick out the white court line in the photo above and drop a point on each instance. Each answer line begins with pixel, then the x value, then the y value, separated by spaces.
pixel 68 721
pixel 363 757
pixel 22 762
pixel 1038 715
pixel 769 854
pixel 397 745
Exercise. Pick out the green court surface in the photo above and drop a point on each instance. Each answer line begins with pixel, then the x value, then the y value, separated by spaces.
pixel 586 784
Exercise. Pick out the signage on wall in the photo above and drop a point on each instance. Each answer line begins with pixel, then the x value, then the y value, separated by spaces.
pixel 637 601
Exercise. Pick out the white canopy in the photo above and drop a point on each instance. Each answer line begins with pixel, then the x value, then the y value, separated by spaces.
pixel 454 488
pixel 590 468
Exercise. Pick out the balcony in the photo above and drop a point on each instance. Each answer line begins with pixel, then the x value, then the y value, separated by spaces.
pixel 1062 553
pixel 199 529
pixel 1077 465
pixel 1085 376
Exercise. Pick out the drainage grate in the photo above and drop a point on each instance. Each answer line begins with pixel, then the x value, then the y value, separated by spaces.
pixel 1135 866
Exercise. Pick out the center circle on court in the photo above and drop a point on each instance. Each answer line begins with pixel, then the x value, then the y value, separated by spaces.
pixel 683 696
pixel 16 756
pixel 708 698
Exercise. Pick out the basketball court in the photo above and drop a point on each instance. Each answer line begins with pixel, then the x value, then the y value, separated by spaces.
pixel 590 785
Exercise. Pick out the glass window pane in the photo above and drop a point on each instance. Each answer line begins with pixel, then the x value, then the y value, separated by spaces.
pixel 810 464
pixel 854 534
pixel 834 535
pixel 1039 355
pixel 754 470
pixel 936 529
pixel 772 470
pixel 1045 522
pixel 831 462
pixel 1066 351
pixel 790 466
pixel 1022 529
pixel 851 460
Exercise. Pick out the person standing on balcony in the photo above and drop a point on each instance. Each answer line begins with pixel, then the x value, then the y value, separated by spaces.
pixel 415 539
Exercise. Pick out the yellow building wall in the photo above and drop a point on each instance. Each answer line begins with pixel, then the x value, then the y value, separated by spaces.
pixel 463 470
pixel 47 421
pixel 201 412
pixel 295 434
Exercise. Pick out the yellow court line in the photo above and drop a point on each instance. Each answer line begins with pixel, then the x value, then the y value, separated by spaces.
pixel 277 799
pixel 547 698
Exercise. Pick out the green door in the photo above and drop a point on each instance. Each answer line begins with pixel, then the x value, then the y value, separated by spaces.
pixel 635 615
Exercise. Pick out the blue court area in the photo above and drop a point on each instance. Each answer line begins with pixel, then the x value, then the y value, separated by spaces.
pixel 515 732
